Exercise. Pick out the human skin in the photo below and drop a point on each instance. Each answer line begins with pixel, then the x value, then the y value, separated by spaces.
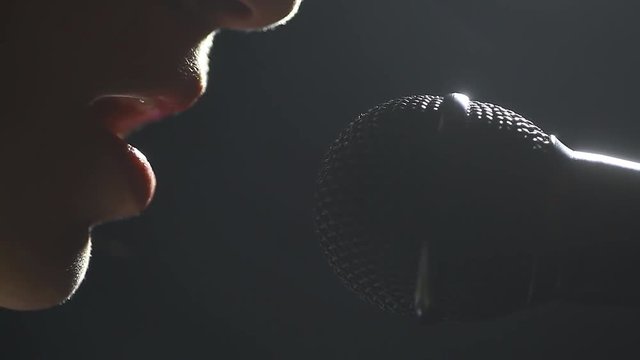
pixel 77 78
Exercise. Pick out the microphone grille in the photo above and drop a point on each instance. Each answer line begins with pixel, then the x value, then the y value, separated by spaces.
pixel 389 172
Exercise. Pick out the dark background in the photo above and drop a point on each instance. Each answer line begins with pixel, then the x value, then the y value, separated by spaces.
pixel 225 263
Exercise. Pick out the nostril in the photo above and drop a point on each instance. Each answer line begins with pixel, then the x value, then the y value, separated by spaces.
pixel 231 8
pixel 219 13
pixel 252 14
pixel 237 14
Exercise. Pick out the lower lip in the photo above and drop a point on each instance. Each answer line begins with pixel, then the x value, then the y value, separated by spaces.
pixel 137 169
pixel 142 175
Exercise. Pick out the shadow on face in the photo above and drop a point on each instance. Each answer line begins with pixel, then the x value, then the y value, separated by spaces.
pixel 68 167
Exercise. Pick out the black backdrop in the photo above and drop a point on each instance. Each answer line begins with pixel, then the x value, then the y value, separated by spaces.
pixel 225 263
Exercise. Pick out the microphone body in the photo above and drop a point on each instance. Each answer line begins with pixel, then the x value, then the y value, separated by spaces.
pixel 460 210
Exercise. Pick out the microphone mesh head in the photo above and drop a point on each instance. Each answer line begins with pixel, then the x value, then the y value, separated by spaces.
pixel 408 171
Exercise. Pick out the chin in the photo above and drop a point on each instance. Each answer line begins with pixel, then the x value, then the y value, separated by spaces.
pixel 45 276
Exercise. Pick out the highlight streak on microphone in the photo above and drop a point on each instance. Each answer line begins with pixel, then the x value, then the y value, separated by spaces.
pixel 597 158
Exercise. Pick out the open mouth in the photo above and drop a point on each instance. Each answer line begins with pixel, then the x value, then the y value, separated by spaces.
pixel 120 116
pixel 123 115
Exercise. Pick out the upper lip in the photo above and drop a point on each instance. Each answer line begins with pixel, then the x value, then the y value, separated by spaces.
pixel 132 100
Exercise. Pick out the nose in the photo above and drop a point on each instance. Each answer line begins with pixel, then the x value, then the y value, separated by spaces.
pixel 249 14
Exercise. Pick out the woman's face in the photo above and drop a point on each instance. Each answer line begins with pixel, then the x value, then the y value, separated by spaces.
pixel 77 77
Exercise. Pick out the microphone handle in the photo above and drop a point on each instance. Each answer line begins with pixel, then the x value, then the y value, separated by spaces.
pixel 597 260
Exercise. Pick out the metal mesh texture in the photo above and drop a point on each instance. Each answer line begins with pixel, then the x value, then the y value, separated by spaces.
pixel 386 185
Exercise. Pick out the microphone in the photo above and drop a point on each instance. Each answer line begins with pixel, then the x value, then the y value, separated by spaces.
pixel 458 210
